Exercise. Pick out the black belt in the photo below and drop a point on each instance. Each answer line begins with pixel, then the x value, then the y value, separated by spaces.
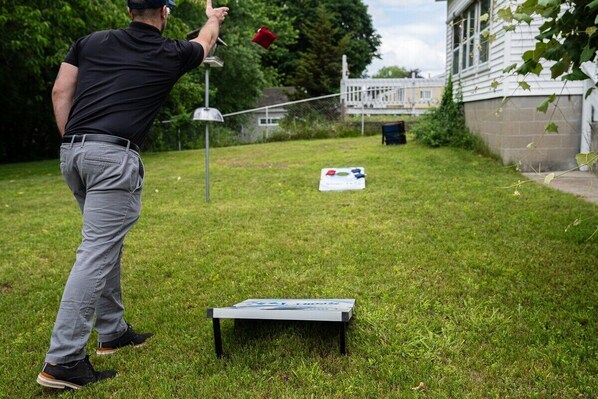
pixel 102 138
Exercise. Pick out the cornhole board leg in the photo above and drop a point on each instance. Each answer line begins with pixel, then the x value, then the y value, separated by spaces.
pixel 343 338
pixel 217 337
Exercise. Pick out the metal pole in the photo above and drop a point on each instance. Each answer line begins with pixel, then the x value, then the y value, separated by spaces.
pixel 207 101
pixel 267 123
pixel 413 93
pixel 363 92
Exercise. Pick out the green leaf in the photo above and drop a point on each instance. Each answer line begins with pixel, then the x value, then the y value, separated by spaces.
pixel 509 28
pixel 589 92
pixel 554 50
pixel 550 177
pixel 593 5
pixel 510 68
pixel 524 85
pixel 494 84
pixel 540 49
pixel 590 159
pixel 587 54
pixel 549 30
pixel 552 128
pixel 559 68
pixel 530 67
pixel 528 55
pixel 522 17
pixel 548 3
pixel 577 74
pixel 484 17
pixel 550 12
pixel 505 14
pixel 544 106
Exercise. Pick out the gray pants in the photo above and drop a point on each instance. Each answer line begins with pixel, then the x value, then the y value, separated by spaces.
pixel 106 180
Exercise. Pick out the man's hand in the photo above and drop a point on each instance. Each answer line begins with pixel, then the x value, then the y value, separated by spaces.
pixel 218 13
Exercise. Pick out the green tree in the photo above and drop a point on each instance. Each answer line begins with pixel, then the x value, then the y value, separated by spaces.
pixel 319 67
pixel 349 16
pixel 236 86
pixel 392 72
pixel 445 125
pixel 241 82
pixel 35 38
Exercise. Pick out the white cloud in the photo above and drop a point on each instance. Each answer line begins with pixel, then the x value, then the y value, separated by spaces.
pixel 413 34
pixel 410 51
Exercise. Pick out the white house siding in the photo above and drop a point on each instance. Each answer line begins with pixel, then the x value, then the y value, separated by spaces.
pixel 506 116
pixel 477 83
pixel 522 40
pixel 506 49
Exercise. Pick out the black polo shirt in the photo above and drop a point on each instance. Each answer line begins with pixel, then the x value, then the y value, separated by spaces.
pixel 124 77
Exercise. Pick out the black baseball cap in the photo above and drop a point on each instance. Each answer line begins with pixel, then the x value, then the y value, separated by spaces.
pixel 141 4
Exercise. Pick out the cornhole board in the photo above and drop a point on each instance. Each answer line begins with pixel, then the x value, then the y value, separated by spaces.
pixel 328 310
pixel 342 179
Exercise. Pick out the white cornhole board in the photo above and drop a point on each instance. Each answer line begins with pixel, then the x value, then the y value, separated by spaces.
pixel 343 179
pixel 288 309
pixel 327 310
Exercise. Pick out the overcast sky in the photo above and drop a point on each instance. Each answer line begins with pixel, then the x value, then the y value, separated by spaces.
pixel 413 34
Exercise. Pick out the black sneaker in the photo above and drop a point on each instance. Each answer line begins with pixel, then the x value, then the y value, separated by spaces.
pixel 130 337
pixel 71 375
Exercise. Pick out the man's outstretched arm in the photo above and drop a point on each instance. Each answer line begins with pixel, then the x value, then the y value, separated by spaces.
pixel 209 32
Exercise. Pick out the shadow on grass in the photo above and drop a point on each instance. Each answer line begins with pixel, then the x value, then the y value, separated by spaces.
pixel 311 337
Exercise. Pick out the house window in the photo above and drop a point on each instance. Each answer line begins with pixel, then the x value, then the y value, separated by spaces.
pixel 484 36
pixel 269 121
pixel 456 47
pixel 471 35
pixel 469 30
pixel 425 94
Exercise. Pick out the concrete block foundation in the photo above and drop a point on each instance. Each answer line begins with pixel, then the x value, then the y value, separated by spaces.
pixel 515 130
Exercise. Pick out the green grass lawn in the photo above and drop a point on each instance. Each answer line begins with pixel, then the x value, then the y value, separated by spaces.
pixel 460 284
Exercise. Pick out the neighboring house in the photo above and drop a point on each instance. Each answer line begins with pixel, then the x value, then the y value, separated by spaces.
pixel 260 123
pixel 272 96
pixel 389 96
pixel 496 106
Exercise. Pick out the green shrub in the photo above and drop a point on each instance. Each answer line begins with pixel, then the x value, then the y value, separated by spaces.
pixel 445 125
pixel 186 134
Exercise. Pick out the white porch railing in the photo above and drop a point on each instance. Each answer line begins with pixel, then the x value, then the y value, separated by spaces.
pixel 391 96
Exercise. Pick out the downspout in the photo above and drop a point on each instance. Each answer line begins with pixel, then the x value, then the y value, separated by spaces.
pixel 590 69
